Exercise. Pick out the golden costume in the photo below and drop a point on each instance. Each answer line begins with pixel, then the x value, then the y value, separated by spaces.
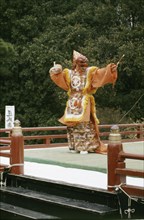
pixel 80 113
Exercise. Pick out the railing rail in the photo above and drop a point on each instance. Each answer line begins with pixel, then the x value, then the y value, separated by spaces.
pixel 123 155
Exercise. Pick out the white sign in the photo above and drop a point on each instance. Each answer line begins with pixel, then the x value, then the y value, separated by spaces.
pixel 9 116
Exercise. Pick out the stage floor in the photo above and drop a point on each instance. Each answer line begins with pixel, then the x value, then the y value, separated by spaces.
pixel 88 170
pixel 63 157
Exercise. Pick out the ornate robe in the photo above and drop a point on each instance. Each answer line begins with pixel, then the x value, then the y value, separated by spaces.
pixel 80 111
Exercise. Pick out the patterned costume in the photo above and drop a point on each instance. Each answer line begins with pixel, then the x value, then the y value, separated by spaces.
pixel 80 113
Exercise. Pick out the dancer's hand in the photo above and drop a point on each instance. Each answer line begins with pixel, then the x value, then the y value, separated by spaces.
pixel 114 67
pixel 57 68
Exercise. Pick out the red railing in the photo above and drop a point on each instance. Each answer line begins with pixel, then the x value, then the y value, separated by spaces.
pixel 43 137
pixel 16 142
pixel 15 145
pixel 117 171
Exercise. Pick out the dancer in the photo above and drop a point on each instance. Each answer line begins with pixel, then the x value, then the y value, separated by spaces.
pixel 81 82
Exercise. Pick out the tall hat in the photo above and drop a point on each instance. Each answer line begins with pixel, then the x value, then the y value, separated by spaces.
pixel 77 55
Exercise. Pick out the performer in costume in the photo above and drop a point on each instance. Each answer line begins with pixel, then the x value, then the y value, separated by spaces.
pixel 81 82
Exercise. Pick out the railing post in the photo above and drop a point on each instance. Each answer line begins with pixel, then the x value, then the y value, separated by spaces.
pixel 114 148
pixel 17 149
pixel 139 129
pixel 47 141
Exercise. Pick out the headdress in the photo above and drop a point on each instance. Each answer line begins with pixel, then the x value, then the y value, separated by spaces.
pixel 77 55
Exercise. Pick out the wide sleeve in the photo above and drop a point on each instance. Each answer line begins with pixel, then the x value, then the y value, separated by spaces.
pixel 104 76
pixel 60 79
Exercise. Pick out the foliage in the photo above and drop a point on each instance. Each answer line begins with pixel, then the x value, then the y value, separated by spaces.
pixel 35 33
pixel 6 56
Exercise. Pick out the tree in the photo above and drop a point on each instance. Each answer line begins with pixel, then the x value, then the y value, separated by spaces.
pixel 6 56
pixel 45 31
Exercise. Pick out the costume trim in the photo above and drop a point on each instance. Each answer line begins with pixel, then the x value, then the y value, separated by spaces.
pixel 93 109
pixel 87 88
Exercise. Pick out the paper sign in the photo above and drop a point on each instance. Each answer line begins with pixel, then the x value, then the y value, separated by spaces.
pixel 9 116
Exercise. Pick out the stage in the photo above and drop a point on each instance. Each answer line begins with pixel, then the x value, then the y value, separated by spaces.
pixel 86 170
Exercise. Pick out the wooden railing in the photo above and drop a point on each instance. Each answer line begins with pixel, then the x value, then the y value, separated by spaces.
pixel 117 171
pixel 129 132
pixel 15 145
pixel 43 137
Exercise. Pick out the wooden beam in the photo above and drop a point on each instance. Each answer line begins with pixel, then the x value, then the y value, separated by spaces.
pixel 129 172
